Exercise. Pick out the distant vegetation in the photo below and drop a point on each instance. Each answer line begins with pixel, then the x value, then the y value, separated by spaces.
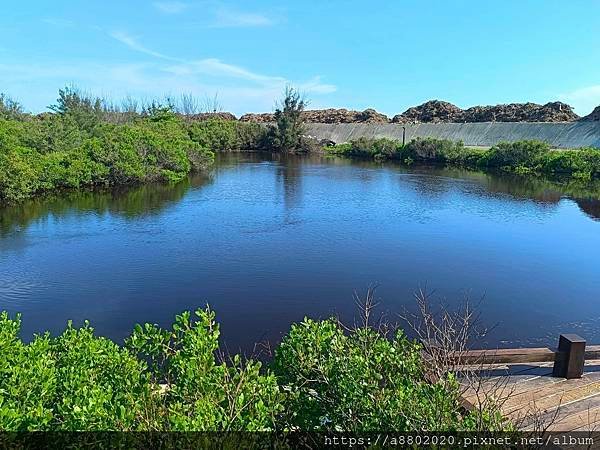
pixel 87 142
pixel 523 157
pixel 322 377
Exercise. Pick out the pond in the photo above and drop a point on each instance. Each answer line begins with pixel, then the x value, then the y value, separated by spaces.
pixel 269 239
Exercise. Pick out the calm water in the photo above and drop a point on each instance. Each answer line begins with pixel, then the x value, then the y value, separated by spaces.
pixel 267 241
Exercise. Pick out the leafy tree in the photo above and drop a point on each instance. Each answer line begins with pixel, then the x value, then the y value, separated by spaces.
pixel 286 135
pixel 71 100
pixel 10 108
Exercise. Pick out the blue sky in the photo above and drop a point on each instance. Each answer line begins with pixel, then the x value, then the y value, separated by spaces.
pixel 388 55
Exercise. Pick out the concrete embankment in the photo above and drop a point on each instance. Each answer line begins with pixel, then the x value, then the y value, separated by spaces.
pixel 484 134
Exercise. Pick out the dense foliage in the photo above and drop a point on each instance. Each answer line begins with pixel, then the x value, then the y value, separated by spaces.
pixel 287 133
pixel 519 157
pixel 84 143
pixel 221 135
pixel 360 382
pixel 322 378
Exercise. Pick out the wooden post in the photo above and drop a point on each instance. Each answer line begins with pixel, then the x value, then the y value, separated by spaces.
pixel 570 357
pixel 403 136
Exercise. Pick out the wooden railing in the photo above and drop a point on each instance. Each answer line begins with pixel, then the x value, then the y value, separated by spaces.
pixel 569 358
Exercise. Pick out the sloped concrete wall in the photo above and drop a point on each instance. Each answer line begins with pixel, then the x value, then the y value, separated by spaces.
pixel 485 134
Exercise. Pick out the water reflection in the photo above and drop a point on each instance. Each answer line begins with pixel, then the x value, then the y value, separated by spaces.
pixel 289 178
pixel 126 202
pixel 267 239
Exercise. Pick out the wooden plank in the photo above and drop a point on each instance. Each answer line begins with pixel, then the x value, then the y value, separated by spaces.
pixel 516 355
pixel 502 387
pixel 539 387
pixel 556 419
pixel 526 392
pixel 553 393
pixel 511 355
pixel 592 352
pixel 503 370
pixel 588 420
pixel 479 384
pixel 570 402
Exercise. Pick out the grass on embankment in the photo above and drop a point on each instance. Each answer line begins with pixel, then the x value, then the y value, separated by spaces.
pixel 523 157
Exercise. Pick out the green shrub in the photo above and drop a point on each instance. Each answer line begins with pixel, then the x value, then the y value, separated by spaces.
pixel 250 135
pixel 99 386
pixel 583 163
pixel 53 152
pixel 322 378
pixel 522 157
pixel 19 177
pixel 27 379
pixel 434 150
pixel 379 149
pixel 201 393
pixel 76 381
pixel 10 109
pixel 216 134
pixel 515 155
pixel 82 109
pixel 68 169
pixel 359 382
pixel 221 135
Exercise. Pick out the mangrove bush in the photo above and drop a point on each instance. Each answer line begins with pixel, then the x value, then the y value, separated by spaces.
pixel 323 377
pixel 533 157
pixel 85 142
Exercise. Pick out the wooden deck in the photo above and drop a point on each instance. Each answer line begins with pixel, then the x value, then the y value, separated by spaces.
pixel 527 394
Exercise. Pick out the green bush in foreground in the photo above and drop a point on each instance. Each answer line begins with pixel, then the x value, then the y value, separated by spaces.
pixel 359 382
pixel 76 381
pixel 202 393
pixel 322 378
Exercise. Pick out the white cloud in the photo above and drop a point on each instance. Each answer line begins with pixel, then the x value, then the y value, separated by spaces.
pixel 225 18
pixel 583 100
pixel 172 7
pixel 133 44
pixel 315 86
pixel 239 89
pixel 217 68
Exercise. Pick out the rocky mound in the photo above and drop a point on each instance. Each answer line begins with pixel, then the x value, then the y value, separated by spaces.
pixel 521 112
pixel 436 111
pixel 594 116
pixel 330 115
pixel 215 115
pixel 344 116
pixel 431 111
pixel 258 118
